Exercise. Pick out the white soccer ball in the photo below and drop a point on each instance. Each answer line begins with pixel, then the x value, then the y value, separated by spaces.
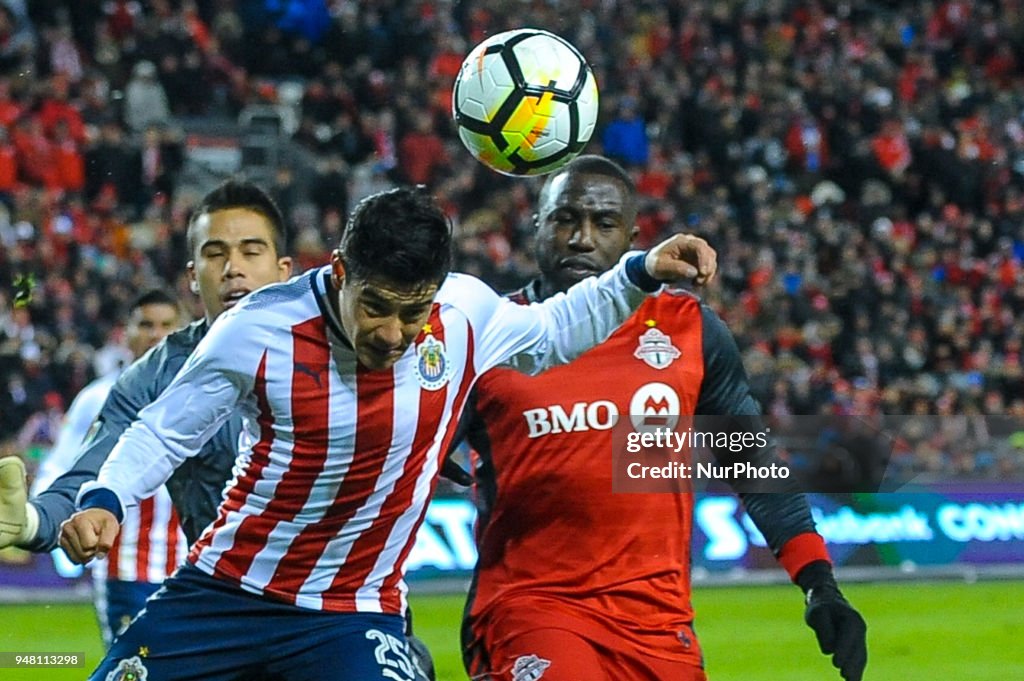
pixel 525 102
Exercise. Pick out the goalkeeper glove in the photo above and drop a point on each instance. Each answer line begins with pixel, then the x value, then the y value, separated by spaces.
pixel 841 631
pixel 18 521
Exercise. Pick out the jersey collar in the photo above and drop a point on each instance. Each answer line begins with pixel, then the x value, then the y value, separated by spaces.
pixel 320 280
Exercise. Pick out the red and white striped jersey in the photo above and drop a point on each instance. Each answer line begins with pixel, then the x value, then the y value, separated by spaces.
pixel 151 543
pixel 325 503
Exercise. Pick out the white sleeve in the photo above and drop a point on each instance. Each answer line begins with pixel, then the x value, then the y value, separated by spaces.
pixel 203 395
pixel 532 338
pixel 77 421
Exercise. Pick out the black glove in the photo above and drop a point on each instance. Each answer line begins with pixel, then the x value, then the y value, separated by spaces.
pixel 841 631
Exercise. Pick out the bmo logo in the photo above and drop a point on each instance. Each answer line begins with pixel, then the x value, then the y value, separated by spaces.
pixel 654 406
pixel 597 415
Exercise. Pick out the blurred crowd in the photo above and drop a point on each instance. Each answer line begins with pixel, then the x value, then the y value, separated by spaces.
pixel 859 166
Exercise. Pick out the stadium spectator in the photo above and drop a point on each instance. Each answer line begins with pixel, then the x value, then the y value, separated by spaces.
pixel 421 152
pixel 330 188
pixel 35 153
pixel 68 162
pixel 8 168
pixel 113 167
pixel 40 431
pixel 160 158
pixel 145 101
pixel 625 138
pixel 17 40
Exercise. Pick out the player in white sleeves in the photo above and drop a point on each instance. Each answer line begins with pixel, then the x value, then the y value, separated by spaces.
pixel 351 378
pixel 151 543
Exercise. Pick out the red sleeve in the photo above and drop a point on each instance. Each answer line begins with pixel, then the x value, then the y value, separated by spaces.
pixel 800 551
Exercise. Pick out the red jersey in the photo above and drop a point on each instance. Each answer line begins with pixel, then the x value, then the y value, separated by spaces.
pixel 552 536
pixel 555 529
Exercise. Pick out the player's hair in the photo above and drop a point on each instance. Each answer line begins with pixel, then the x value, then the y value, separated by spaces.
pixel 400 235
pixel 155 296
pixel 241 194
pixel 592 164
pixel 599 165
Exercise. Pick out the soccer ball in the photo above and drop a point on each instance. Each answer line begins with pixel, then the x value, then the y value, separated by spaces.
pixel 525 102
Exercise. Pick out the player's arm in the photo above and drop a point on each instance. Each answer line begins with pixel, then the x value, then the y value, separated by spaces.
pixel 169 430
pixel 77 421
pixel 783 518
pixel 535 337
pixel 136 387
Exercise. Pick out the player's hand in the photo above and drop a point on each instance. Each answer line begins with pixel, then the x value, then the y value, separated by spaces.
pixel 841 631
pixel 89 534
pixel 13 495
pixel 682 257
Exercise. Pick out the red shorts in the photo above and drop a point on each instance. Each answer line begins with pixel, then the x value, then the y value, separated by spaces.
pixel 535 644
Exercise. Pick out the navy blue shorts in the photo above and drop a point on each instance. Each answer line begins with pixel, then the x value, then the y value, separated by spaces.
pixel 201 628
pixel 117 603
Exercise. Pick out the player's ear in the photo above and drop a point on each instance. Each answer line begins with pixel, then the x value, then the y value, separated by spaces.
pixel 337 268
pixel 284 267
pixel 633 234
pixel 193 283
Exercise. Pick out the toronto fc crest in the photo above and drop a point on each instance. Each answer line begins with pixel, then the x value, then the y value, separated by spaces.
pixel 432 366
pixel 529 668
pixel 656 349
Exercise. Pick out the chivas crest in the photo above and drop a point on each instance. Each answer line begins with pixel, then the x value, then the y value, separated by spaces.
pixel 131 669
pixel 432 366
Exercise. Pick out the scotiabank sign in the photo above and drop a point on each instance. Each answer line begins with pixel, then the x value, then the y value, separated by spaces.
pixel 937 525
pixel 933 525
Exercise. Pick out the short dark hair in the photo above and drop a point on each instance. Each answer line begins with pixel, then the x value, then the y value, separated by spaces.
pixel 155 296
pixel 241 194
pixel 400 235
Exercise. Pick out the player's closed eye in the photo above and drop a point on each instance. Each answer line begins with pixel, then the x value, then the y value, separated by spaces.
pixel 414 315
pixel 375 310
